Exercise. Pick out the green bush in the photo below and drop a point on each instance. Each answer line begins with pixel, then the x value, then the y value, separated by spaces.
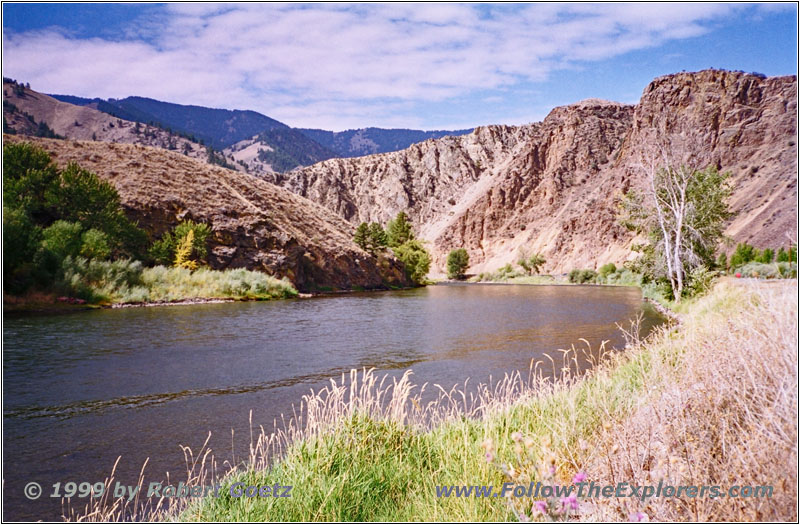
pixel 744 254
pixel 94 245
pixel 701 279
pixel 28 175
pixel 127 281
pixel 457 263
pixel 766 256
pixel 781 270
pixel 607 269
pixel 21 239
pixel 722 261
pixel 416 260
pixel 622 277
pixel 578 276
pixel 63 239
pixel 163 250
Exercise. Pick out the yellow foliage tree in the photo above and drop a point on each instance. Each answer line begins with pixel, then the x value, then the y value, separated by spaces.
pixel 184 251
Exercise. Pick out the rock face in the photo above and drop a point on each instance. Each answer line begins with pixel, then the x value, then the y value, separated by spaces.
pixel 255 224
pixel 553 186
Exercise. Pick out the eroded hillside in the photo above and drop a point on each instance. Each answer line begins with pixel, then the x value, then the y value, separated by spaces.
pixel 553 186
pixel 85 123
pixel 255 224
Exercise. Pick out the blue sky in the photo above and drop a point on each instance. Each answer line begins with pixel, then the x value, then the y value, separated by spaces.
pixel 428 66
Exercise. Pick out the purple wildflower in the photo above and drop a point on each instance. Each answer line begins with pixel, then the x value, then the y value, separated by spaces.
pixel 570 501
pixel 580 477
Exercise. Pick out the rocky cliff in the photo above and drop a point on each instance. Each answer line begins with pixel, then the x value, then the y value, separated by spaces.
pixel 255 224
pixel 553 186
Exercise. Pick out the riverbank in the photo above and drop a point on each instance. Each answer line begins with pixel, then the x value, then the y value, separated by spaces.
pixel 89 284
pixel 365 451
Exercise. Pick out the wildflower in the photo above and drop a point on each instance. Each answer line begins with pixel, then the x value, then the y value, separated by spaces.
pixel 637 517
pixel 489 457
pixel 580 477
pixel 517 449
pixel 552 470
pixel 738 275
pixel 540 506
pixel 488 444
pixel 570 502
pixel 516 436
pixel 524 517
pixel 529 443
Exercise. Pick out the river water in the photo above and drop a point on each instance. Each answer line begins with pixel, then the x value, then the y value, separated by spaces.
pixel 81 389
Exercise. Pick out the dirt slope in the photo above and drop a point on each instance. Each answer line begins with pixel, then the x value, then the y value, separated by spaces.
pixel 255 224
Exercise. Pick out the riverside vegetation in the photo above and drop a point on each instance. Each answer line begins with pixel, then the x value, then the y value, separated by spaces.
pixel 689 406
pixel 399 236
pixel 65 233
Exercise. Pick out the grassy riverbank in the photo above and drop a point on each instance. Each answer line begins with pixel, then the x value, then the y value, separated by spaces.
pixel 92 283
pixel 711 401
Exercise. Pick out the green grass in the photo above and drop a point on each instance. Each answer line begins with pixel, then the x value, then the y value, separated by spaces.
pixel 125 281
pixel 363 450
pixel 372 469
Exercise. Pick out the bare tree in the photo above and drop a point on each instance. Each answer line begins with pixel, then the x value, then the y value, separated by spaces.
pixel 682 207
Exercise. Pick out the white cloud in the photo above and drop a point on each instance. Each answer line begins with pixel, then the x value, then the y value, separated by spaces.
pixel 335 65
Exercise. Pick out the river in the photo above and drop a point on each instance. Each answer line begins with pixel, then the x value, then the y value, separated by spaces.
pixel 81 389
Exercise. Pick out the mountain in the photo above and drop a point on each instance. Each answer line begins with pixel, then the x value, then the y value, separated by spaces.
pixel 368 141
pixel 222 129
pixel 553 186
pixel 255 224
pixel 253 141
pixel 28 112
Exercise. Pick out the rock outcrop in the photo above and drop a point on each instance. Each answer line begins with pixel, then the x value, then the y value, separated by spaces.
pixel 553 186
pixel 255 224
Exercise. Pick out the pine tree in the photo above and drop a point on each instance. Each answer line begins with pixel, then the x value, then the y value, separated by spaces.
pixel 399 230
pixel 361 237
pixel 377 240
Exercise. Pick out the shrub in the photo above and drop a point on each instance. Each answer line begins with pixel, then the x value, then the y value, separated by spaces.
pixel 28 174
pixel 94 245
pixel 766 256
pixel 531 262
pixel 769 271
pixel 722 261
pixel 63 239
pixel 607 269
pixel 701 279
pixel 622 277
pixel 457 263
pixel 578 276
pixel 744 254
pixel 20 240
pixel 164 250
pixel 415 258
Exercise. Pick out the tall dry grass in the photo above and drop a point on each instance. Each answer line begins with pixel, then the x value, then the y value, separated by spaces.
pixel 719 408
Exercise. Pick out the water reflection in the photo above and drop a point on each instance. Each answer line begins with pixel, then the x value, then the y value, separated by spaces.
pixel 82 389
